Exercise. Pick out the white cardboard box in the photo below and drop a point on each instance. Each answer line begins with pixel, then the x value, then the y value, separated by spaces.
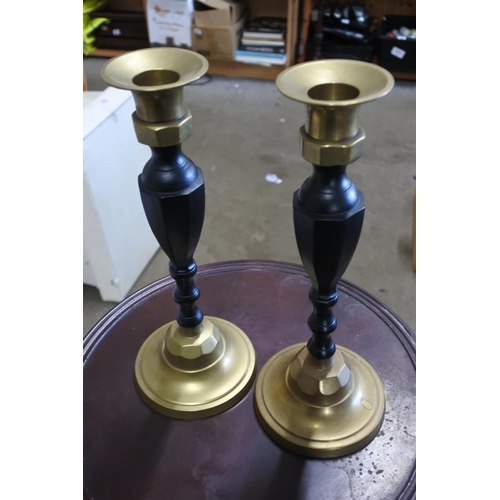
pixel 117 240
pixel 169 22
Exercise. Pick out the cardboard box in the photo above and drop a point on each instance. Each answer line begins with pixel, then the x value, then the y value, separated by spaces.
pixel 170 22
pixel 217 13
pixel 219 43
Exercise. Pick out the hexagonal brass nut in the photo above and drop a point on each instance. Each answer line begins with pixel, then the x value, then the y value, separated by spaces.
pixel 328 154
pixel 163 134
pixel 179 344
pixel 319 381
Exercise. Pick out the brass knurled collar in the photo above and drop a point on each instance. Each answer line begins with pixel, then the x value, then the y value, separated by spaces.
pixel 328 154
pixel 163 134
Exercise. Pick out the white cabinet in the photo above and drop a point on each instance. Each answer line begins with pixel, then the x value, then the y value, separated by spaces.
pixel 117 240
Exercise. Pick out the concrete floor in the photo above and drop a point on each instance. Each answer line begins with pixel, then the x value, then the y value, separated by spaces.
pixel 245 129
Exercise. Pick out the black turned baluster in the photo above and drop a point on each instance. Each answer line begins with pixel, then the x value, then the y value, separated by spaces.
pixel 173 196
pixel 328 216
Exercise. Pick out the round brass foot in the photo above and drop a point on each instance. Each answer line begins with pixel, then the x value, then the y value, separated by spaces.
pixel 190 385
pixel 335 416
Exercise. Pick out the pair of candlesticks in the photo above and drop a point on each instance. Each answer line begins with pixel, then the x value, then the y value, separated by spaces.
pixel 316 399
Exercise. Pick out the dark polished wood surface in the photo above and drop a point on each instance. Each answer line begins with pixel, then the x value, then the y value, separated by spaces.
pixel 132 452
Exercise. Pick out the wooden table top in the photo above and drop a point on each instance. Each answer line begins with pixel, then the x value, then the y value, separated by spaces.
pixel 132 452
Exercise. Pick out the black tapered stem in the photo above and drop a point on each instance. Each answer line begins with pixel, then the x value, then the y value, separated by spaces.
pixel 328 217
pixel 173 197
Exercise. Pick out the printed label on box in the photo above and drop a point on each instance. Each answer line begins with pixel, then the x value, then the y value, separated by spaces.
pixel 397 52
pixel 169 22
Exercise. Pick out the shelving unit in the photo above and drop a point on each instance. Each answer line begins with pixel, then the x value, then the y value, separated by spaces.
pixel 378 9
pixel 107 53
pixel 276 8
pixel 290 10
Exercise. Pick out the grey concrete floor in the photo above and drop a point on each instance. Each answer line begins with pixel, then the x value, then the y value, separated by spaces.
pixel 245 129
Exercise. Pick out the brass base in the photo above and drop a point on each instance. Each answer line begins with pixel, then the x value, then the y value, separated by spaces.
pixel 190 393
pixel 318 430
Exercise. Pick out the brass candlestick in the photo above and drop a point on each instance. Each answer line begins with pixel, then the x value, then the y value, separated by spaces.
pixel 195 366
pixel 319 399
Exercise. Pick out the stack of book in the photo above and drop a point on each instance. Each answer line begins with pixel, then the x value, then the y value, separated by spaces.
pixel 263 42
